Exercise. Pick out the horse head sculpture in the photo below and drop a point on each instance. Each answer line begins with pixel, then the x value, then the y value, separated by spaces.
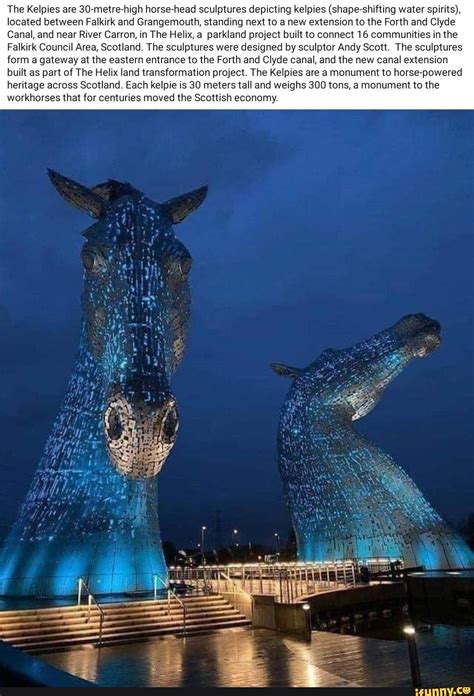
pixel 136 306
pixel 92 508
pixel 347 498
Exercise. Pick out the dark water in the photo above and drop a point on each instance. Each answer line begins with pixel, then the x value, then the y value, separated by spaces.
pixel 386 620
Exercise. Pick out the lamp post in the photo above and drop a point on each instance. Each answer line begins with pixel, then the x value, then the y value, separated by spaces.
pixel 235 536
pixel 307 617
pixel 409 632
pixel 203 531
pixel 277 543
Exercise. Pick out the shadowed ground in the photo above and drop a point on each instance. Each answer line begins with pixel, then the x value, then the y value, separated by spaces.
pixel 264 658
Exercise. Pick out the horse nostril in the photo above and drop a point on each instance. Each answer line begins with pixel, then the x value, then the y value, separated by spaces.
pixel 113 423
pixel 170 423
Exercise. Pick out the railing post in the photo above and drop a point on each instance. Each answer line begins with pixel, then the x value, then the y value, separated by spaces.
pixel 169 602
pixel 413 656
pixel 89 603
pixel 155 583
pixel 79 591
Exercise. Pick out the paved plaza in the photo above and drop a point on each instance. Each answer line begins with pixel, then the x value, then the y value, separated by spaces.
pixel 264 658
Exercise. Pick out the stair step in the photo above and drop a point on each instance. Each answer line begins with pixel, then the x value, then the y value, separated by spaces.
pixel 49 614
pixel 177 617
pixel 80 620
pixel 34 612
pixel 33 615
pixel 109 638
pixel 133 603
pixel 59 628
pixel 41 622
pixel 120 639
pixel 109 627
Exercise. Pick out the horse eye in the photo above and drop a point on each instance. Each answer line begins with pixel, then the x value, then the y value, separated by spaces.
pixel 114 425
pixel 185 265
pixel 92 259
pixel 170 425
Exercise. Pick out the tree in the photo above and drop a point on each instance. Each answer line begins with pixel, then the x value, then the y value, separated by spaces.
pixel 170 552
pixel 467 530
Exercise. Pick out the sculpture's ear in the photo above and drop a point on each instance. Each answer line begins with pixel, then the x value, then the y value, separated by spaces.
pixel 179 208
pixel 330 353
pixel 78 195
pixel 286 370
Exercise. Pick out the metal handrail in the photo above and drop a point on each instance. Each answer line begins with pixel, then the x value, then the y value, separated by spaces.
pixel 286 581
pixel 81 583
pixel 170 594
pixel 236 586
pixel 240 590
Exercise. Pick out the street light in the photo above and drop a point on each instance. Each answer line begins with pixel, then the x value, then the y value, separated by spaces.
pixel 235 536
pixel 277 543
pixel 307 620
pixel 203 530
pixel 410 632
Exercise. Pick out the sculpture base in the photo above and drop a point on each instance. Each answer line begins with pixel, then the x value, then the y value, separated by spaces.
pixel 108 564
pixel 441 549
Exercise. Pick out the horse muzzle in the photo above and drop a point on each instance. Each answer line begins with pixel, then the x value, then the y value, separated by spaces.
pixel 419 333
pixel 140 431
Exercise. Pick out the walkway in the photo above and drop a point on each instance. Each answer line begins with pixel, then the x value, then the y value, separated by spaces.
pixel 264 658
pixel 287 581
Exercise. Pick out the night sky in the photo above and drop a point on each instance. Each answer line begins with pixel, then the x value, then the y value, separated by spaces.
pixel 320 229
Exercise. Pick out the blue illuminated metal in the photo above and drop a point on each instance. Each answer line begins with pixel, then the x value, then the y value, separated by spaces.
pixel 92 509
pixel 348 498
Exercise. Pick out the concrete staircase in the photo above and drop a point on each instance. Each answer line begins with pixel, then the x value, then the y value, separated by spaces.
pixel 40 631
